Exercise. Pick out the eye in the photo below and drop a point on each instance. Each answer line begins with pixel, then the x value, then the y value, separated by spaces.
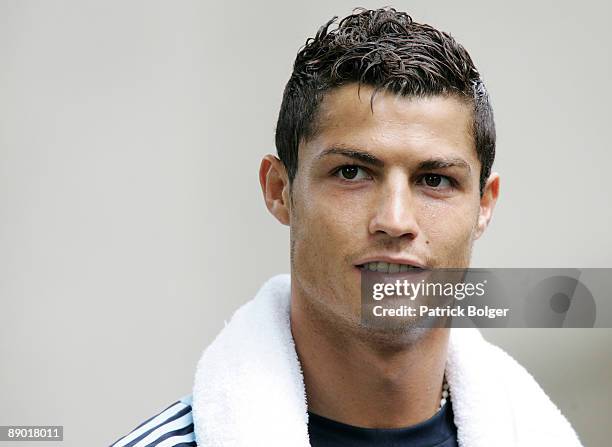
pixel 437 181
pixel 351 173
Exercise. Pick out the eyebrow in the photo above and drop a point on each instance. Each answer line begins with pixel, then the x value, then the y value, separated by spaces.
pixel 425 165
pixel 442 163
pixel 362 156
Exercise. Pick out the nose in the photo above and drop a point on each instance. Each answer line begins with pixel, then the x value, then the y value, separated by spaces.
pixel 394 210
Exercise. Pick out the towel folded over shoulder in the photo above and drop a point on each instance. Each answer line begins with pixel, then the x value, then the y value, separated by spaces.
pixel 249 389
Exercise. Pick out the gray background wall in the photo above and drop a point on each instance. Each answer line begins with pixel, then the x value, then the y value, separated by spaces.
pixel 130 137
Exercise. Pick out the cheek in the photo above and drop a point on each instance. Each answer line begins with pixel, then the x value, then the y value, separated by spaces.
pixel 328 227
pixel 330 224
pixel 448 228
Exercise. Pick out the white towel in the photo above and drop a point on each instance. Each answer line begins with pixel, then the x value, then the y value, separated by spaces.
pixel 249 389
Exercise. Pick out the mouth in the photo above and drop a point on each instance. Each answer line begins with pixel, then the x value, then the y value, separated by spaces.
pixel 389 267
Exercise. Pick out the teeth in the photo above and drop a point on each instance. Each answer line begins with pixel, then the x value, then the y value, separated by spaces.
pixel 386 267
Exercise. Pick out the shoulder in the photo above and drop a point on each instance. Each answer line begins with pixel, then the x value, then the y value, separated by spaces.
pixel 171 427
pixel 535 414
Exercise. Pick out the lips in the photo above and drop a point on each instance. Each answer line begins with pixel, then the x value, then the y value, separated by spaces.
pixel 389 267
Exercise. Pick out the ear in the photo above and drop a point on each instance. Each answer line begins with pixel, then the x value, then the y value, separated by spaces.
pixel 487 203
pixel 274 183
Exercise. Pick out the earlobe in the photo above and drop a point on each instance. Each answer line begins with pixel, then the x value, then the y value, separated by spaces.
pixel 275 187
pixel 487 203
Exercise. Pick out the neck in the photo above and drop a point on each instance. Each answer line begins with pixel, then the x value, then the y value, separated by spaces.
pixel 353 379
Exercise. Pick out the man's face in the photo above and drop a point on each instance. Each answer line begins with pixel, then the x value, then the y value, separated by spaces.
pixel 399 183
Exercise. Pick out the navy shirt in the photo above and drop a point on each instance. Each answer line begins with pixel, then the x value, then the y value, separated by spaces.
pixel 173 427
pixel 438 431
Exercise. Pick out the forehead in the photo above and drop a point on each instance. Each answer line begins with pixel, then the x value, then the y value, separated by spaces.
pixel 392 123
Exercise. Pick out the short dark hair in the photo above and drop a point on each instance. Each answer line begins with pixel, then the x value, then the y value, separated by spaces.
pixel 385 49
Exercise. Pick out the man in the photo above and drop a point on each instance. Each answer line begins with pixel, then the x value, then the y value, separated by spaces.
pixel 385 140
